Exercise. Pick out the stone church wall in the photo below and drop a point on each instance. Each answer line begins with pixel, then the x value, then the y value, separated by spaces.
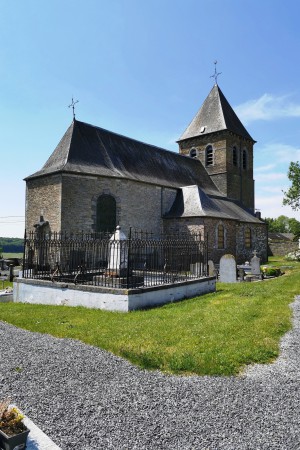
pixel 208 229
pixel 234 234
pixel 189 225
pixel 211 230
pixel 259 242
pixel 139 205
pixel 68 202
pixel 43 197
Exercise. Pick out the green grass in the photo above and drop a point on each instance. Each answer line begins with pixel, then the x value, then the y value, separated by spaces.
pixel 12 255
pixel 4 285
pixel 215 334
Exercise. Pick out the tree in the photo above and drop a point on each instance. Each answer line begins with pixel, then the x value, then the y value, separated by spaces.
pixel 279 225
pixel 270 223
pixel 294 226
pixel 292 196
pixel 283 224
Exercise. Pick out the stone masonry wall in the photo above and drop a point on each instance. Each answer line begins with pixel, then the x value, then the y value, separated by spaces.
pixel 43 196
pixel 259 242
pixel 211 226
pixel 282 248
pixel 233 181
pixel 139 205
pixel 234 237
pixel 208 229
pixel 189 225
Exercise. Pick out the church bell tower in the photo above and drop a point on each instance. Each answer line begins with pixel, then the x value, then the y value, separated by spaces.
pixel 218 139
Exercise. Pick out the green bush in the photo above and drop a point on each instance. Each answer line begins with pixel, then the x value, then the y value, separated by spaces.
pixel 271 271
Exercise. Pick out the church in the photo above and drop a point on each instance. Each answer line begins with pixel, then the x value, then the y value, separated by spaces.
pixel 97 179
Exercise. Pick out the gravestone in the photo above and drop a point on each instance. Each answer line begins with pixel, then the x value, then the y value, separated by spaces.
pixel 255 265
pixel 228 269
pixel 118 256
pixel 211 268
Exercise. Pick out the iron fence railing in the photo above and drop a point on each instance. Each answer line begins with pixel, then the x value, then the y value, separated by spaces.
pixel 141 260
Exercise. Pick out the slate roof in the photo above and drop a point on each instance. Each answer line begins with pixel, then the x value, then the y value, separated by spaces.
pixel 215 114
pixel 281 236
pixel 89 150
pixel 192 201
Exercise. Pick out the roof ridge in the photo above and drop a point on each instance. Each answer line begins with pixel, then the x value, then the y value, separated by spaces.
pixel 68 151
pixel 224 100
pixel 123 136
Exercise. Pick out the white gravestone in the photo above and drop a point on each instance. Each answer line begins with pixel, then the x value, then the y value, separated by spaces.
pixel 118 257
pixel 255 265
pixel 228 269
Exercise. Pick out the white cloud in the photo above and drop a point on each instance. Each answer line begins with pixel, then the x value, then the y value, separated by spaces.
pixel 281 153
pixel 271 206
pixel 271 189
pixel 275 176
pixel 265 168
pixel 267 107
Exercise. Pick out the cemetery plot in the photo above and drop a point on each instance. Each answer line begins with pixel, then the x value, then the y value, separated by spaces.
pixel 140 260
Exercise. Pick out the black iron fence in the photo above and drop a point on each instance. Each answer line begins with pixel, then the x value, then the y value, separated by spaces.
pixel 141 260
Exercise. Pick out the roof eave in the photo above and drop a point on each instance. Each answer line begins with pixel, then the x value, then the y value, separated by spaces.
pixel 250 139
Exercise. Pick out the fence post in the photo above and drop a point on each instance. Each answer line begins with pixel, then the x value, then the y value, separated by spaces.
pixel 128 259
pixel 206 248
pixel 11 272
pixel 24 247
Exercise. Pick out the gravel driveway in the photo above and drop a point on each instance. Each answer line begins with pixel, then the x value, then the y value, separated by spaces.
pixel 86 398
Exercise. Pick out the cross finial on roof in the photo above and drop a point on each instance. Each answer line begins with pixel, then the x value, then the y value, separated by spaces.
pixel 73 106
pixel 216 74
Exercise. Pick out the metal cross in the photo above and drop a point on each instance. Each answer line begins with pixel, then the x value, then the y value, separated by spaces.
pixel 73 106
pixel 216 74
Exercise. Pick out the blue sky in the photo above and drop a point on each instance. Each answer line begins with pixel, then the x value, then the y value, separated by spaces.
pixel 142 68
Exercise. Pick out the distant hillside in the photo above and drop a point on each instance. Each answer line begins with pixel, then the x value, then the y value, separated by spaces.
pixel 11 245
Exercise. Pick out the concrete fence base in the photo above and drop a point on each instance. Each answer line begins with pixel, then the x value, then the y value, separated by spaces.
pixel 48 293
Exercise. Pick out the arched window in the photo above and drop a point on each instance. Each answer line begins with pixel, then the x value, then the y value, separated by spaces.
pixel 220 236
pixel 209 156
pixel 106 213
pixel 234 156
pixel 248 238
pixel 193 153
pixel 245 162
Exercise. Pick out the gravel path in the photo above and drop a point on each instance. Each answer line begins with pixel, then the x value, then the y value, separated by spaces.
pixel 85 398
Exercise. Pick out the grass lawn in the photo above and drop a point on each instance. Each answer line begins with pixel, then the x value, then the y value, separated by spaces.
pixel 215 334
pixel 12 255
